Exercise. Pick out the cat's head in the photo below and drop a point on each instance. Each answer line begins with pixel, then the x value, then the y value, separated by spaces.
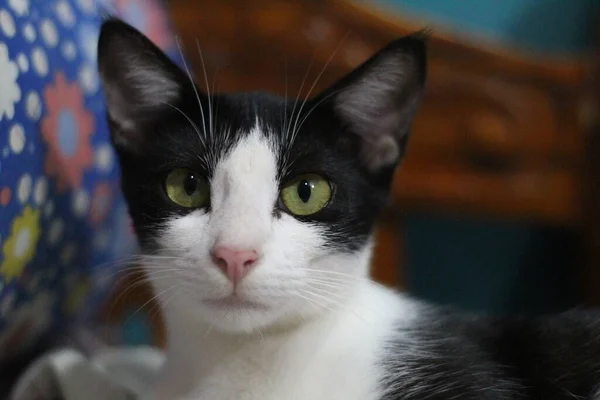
pixel 255 210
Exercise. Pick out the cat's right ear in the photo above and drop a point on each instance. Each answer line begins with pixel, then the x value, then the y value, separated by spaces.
pixel 377 102
pixel 139 82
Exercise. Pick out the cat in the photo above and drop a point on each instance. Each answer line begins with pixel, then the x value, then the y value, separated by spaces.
pixel 256 213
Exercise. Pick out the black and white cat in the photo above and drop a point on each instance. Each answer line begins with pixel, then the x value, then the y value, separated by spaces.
pixel 255 214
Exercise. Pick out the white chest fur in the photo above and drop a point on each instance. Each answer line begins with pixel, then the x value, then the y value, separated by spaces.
pixel 334 357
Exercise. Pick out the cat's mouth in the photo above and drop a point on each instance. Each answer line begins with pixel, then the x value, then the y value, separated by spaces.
pixel 234 302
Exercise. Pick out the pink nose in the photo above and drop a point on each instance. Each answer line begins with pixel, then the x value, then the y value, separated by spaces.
pixel 234 263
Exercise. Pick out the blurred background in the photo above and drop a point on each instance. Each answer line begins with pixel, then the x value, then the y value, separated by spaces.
pixel 494 209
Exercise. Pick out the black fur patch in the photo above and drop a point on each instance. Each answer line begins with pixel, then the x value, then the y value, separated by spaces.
pixel 449 355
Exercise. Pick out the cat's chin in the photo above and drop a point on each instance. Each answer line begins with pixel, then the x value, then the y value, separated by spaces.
pixel 239 320
pixel 234 303
pixel 238 316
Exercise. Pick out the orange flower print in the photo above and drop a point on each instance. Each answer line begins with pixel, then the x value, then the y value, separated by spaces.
pixel 66 129
pixel 101 202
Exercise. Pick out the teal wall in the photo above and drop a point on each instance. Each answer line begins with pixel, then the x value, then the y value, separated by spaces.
pixel 493 266
pixel 550 26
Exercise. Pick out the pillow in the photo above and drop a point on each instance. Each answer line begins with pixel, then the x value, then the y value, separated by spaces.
pixel 64 228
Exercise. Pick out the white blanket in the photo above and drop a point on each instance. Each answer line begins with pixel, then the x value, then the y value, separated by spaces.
pixel 111 374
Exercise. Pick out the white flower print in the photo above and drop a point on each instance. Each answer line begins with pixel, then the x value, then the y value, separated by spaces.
pixel 49 33
pixel 7 24
pixel 88 79
pixel 40 61
pixel 23 62
pixel 20 7
pixel 29 32
pixel 87 6
pixel 68 50
pixel 88 41
pixel 10 93
pixel 65 13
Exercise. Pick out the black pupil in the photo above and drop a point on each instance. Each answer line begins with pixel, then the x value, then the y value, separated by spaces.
pixel 304 190
pixel 190 184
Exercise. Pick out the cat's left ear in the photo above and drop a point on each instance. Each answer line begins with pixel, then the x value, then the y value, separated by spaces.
pixel 378 100
pixel 139 81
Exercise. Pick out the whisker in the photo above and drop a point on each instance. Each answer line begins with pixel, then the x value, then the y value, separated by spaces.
pixel 322 271
pixel 145 279
pixel 153 298
pixel 159 305
pixel 334 302
pixel 335 280
pixel 127 270
pixel 189 120
pixel 287 130
pixel 313 301
pixel 332 285
pixel 294 131
pixel 210 121
pixel 213 94
pixel 327 293
pixel 135 260
pixel 187 70
pixel 208 330
pixel 314 107
pixel 285 99
pixel 116 261
pixel 322 297
pixel 122 294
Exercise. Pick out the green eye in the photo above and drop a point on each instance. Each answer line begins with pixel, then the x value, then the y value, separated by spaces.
pixel 186 188
pixel 306 194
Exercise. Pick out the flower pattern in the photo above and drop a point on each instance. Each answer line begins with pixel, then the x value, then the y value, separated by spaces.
pixel 10 92
pixel 61 213
pixel 66 129
pixel 19 249
pixel 101 202
pixel 88 40
pixel 20 7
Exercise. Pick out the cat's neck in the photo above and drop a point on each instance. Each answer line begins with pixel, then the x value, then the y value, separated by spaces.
pixel 196 358
pixel 197 350
pixel 197 355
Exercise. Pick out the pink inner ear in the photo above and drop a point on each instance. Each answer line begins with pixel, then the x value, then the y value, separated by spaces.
pixel 380 152
pixel 378 100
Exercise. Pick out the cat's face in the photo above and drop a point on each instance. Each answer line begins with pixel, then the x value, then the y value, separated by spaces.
pixel 254 210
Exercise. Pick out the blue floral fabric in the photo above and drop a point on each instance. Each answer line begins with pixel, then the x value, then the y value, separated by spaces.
pixel 63 223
